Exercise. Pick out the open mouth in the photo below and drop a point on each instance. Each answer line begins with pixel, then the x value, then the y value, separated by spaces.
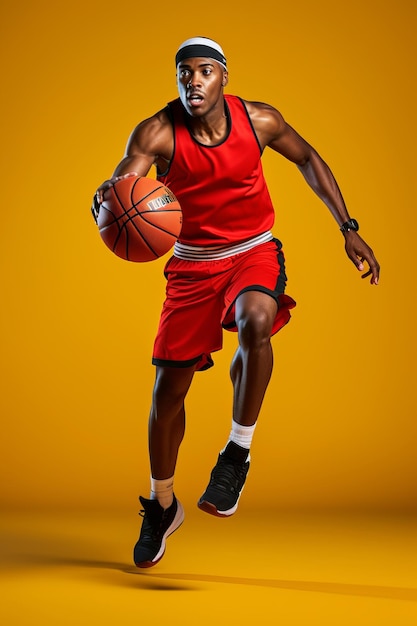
pixel 195 99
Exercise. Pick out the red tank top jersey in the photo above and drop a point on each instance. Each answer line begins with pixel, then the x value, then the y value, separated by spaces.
pixel 221 189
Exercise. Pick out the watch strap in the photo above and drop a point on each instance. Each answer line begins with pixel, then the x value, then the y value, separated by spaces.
pixel 351 224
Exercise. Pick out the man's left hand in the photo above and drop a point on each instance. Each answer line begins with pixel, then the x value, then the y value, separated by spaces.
pixel 358 252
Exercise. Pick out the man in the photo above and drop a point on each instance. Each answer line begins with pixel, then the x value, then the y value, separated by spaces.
pixel 227 270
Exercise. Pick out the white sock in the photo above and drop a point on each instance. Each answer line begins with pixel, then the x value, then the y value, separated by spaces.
pixel 163 491
pixel 242 435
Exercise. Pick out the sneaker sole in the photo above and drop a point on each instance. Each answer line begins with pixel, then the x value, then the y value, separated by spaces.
pixel 176 523
pixel 210 508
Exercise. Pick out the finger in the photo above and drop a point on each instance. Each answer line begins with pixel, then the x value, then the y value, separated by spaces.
pixel 357 261
pixel 373 272
pixel 105 187
pixel 359 264
pixel 114 179
pixel 374 269
pixel 359 256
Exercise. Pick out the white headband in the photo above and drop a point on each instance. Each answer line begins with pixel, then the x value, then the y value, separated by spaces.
pixel 200 47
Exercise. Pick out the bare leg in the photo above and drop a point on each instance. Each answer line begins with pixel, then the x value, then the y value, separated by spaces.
pixel 167 418
pixel 252 363
pixel 163 514
pixel 250 372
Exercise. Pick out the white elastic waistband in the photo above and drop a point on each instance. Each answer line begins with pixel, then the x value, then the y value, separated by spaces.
pixel 214 253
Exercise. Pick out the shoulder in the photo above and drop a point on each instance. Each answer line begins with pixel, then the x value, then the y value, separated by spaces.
pixel 262 113
pixel 267 121
pixel 154 134
pixel 156 125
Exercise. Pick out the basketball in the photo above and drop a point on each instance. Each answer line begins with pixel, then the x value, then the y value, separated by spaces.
pixel 139 219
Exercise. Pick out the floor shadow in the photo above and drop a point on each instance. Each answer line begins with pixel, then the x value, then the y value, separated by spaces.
pixel 371 591
pixel 151 579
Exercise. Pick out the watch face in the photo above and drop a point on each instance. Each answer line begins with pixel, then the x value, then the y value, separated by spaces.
pixel 350 225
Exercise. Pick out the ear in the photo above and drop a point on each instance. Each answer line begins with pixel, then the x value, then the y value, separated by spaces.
pixel 225 79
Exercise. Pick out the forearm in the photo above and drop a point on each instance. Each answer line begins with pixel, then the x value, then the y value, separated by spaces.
pixel 320 178
pixel 137 163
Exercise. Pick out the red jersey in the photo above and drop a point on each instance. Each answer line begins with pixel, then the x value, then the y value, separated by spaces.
pixel 221 189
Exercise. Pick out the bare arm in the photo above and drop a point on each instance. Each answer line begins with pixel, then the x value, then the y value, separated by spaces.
pixel 274 132
pixel 151 143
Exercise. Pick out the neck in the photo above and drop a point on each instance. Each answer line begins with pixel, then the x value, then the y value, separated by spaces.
pixel 212 128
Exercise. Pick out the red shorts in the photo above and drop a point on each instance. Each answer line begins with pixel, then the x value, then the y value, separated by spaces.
pixel 200 302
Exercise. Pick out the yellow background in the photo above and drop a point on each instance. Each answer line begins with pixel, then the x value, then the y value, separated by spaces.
pixel 338 425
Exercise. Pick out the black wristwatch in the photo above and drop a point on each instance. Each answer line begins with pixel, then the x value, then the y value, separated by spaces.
pixel 349 225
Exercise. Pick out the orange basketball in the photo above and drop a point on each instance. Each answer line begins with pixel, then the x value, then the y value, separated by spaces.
pixel 139 219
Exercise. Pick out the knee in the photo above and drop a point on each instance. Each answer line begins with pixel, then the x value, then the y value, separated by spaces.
pixel 254 327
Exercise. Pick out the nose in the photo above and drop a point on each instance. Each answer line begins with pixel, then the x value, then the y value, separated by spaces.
pixel 194 81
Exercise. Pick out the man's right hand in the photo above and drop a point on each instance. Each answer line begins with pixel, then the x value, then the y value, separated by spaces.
pixel 99 195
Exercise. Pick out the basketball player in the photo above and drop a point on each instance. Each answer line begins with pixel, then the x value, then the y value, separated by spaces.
pixel 227 270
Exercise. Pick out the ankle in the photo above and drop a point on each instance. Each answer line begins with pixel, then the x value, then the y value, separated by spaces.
pixel 163 491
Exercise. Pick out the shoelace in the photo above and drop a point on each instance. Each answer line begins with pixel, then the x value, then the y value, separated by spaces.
pixel 152 528
pixel 228 474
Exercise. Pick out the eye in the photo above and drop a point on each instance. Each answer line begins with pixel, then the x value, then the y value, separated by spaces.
pixel 184 73
pixel 207 71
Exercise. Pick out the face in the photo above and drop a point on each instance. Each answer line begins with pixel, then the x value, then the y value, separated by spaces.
pixel 200 85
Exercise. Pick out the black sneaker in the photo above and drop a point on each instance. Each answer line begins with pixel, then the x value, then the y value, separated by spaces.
pixel 227 479
pixel 157 525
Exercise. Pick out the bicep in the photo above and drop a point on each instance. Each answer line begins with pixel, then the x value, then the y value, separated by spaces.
pixel 148 141
pixel 273 131
pixel 138 156
pixel 291 145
